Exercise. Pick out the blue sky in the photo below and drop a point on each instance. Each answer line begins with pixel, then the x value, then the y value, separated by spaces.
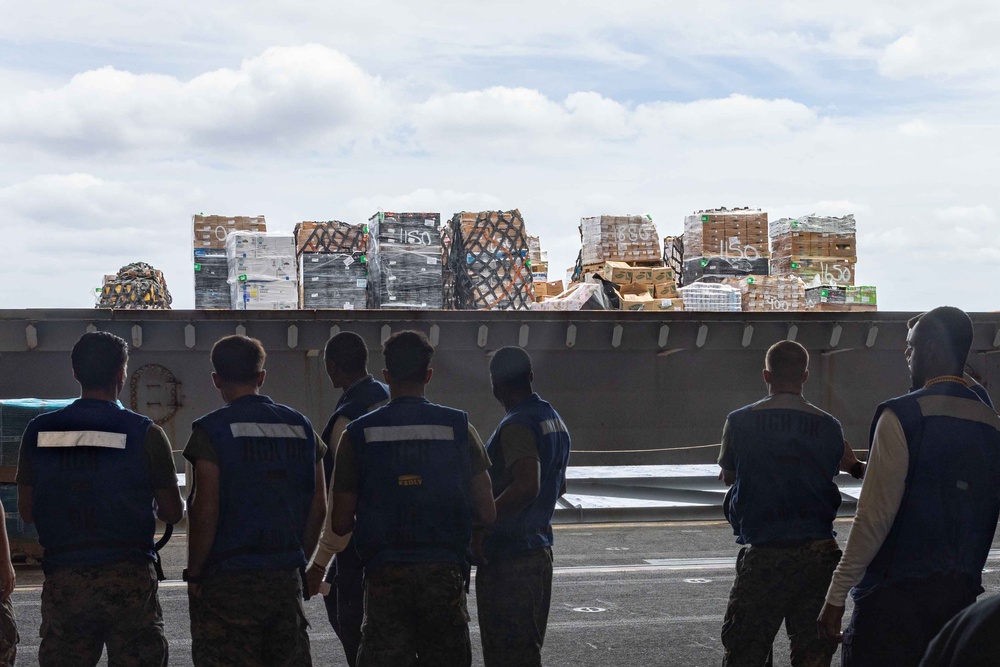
pixel 120 119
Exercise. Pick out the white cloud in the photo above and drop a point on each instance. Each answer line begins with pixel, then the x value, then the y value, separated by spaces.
pixel 915 128
pixel 981 215
pixel 287 97
pixel 957 42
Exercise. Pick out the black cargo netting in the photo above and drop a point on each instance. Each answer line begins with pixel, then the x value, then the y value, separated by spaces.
pixel 330 237
pixel 490 261
pixel 136 286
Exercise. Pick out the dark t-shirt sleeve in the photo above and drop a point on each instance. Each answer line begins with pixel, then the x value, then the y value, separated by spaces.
pixel 199 446
pixel 345 471
pixel 727 460
pixel 25 473
pixel 161 458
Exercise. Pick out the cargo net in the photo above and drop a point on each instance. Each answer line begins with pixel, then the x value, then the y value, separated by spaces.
pixel 710 297
pixel 620 238
pixel 490 260
pixel 405 261
pixel 330 237
pixel 770 293
pixel 136 286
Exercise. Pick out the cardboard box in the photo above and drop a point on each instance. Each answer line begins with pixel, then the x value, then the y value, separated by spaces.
pixel 618 273
pixel 665 290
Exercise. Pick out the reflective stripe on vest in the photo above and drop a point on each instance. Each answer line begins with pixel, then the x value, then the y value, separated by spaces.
pixel 81 439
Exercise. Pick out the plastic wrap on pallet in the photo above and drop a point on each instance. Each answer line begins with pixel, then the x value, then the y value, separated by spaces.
pixel 710 297
pixel 841 298
pixel 261 256
pixel 717 269
pixel 732 234
pixel 333 280
pixel 673 254
pixel 136 286
pixel 211 279
pixel 770 293
pixel 330 237
pixel 405 261
pixel 621 238
pixel 490 261
pixel 265 295
pixel 820 250
pixel 447 241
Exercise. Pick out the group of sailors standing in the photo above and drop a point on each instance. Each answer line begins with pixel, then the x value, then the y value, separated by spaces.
pixel 387 510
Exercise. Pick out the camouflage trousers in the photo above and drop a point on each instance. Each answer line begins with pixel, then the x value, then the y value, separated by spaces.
pixel 85 609
pixel 415 614
pixel 513 598
pixel 8 633
pixel 250 618
pixel 775 585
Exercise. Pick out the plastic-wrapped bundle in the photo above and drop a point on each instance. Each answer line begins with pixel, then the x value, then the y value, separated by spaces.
pixel 447 241
pixel 262 271
pixel 820 250
pixel 490 260
pixel 770 293
pixel 734 234
pixel 405 261
pixel 333 280
pixel 710 297
pixel 673 254
pixel 717 269
pixel 330 237
pixel 211 279
pixel 839 298
pixel 211 268
pixel 620 238
pixel 136 286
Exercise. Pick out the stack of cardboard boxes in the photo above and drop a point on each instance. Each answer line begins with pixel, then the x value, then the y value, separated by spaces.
pixel 643 287
pixel 538 260
pixel 839 298
pixel 333 266
pixel 619 238
pixel 211 269
pixel 722 243
pixel 820 250
pixel 405 268
pixel 262 271
pixel 770 293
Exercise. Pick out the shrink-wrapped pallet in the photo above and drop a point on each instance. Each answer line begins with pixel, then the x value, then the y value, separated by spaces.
pixel 820 250
pixel 262 271
pixel 211 268
pixel 721 243
pixel 770 293
pixel 489 258
pixel 331 236
pixel 711 297
pixel 619 238
pixel 333 280
pixel 405 261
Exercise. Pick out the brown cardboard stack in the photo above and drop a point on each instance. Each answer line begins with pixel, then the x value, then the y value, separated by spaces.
pixel 210 230
pixel 547 290
pixel 820 250
pixel 657 281
pixel 770 293
pixel 538 260
pixel 620 238
pixel 840 298
pixel 330 236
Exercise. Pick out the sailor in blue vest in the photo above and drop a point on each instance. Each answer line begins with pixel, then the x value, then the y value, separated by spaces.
pixel 91 476
pixel 530 451
pixel 347 366
pixel 928 507
pixel 781 455
pixel 256 509
pixel 411 479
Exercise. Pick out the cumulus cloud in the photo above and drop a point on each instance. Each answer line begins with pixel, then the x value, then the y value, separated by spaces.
pixel 957 45
pixel 285 97
pixel 915 128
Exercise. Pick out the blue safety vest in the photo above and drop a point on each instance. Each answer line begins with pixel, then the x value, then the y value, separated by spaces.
pixel 414 483
pixel 358 400
pixel 949 510
pixel 786 460
pixel 267 466
pixel 531 528
pixel 92 484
